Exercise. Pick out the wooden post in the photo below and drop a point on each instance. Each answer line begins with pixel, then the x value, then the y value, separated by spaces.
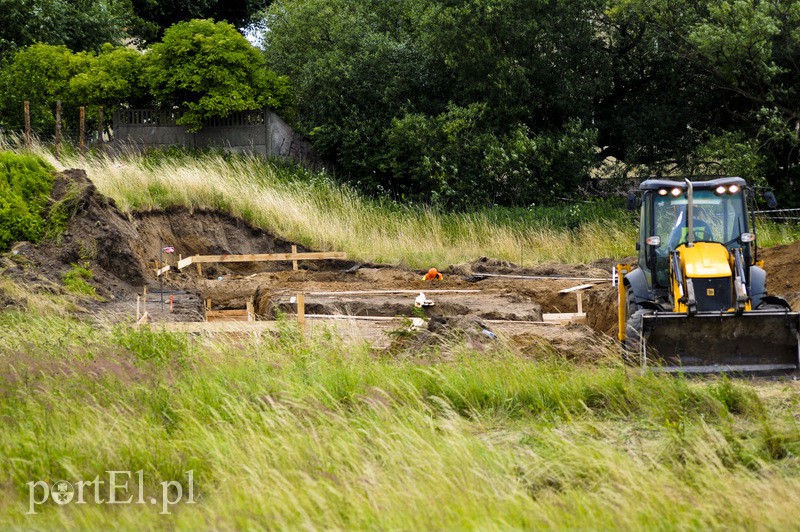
pixel 82 130
pixel 58 133
pixel 199 268
pixel 301 310
pixel 580 301
pixel 294 262
pixel 27 124
pixel 138 301
pixel 250 316
pixel 144 300
pixel 100 146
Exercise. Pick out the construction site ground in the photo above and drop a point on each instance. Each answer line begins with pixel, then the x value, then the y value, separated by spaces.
pixel 476 301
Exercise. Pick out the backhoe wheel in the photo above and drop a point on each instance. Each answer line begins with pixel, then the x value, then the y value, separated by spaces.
pixel 632 345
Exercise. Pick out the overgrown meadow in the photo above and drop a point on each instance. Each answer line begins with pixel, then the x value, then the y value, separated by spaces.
pixel 294 431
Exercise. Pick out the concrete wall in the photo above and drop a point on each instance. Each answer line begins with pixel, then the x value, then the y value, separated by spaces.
pixel 257 132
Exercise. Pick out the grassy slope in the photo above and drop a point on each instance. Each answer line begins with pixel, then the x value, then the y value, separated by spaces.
pixel 295 432
pixel 313 210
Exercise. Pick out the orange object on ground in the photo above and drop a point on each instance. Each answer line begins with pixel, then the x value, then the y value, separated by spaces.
pixel 433 274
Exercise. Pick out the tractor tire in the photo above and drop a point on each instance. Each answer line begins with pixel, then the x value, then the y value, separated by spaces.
pixel 632 345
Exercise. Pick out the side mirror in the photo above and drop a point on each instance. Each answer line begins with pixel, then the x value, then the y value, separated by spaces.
pixel 772 201
pixel 631 202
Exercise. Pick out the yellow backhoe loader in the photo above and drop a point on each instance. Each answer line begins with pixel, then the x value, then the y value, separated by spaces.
pixel 698 302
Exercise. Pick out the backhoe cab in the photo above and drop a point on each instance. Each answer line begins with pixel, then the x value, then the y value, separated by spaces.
pixel 698 301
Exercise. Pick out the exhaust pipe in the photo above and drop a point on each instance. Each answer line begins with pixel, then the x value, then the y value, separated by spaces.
pixel 689 213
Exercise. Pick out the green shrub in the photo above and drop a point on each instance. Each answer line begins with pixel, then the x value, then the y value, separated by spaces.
pixel 25 185
pixel 210 69
pixel 75 281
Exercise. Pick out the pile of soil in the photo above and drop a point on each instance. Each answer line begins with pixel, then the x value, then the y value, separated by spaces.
pixel 122 250
pixel 444 330
pixel 782 264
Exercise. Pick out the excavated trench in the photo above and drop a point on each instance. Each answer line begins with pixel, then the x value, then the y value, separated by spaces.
pixel 123 250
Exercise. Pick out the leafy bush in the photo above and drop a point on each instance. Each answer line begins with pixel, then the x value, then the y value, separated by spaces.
pixel 211 70
pixel 41 74
pixel 25 185
pixel 453 159
pixel 75 281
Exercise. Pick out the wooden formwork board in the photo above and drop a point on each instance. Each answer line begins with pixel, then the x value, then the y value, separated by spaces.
pixel 261 257
pixel 241 315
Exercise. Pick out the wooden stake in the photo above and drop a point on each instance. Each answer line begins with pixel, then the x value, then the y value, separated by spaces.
pixel 82 130
pixel 580 301
pixel 301 310
pixel 138 301
pixel 58 131
pixel 250 316
pixel 100 146
pixel 199 268
pixel 144 300
pixel 294 262
pixel 27 106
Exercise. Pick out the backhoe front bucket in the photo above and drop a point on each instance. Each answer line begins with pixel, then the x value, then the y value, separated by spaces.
pixel 759 340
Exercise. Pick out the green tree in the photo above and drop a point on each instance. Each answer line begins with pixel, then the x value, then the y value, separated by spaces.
pixel 152 17
pixel 41 74
pixel 210 70
pixel 750 52
pixel 80 25
pixel 417 97
pixel 730 153
pixel 113 76
pixel 44 74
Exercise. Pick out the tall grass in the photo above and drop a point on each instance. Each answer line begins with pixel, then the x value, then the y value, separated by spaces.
pixel 304 432
pixel 315 211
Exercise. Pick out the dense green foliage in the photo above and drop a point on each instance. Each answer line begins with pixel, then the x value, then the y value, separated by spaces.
pixel 458 104
pixel 44 74
pixel 84 25
pixel 25 185
pixel 78 24
pixel 434 102
pixel 512 101
pixel 209 69
pixel 204 68
pixel 40 74
pixel 152 17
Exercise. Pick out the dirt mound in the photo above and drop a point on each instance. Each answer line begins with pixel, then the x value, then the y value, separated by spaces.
pixel 601 310
pixel 783 272
pixel 442 330
pixel 97 236
pixel 207 232
pixel 496 266
pixel 122 251
pixel 574 342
